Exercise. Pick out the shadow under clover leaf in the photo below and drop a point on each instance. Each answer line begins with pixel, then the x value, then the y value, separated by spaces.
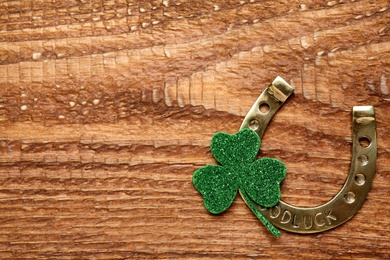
pixel 258 180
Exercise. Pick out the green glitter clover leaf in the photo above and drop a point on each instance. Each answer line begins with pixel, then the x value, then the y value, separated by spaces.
pixel 259 180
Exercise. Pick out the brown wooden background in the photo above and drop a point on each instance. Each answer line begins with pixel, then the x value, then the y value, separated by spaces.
pixel 108 107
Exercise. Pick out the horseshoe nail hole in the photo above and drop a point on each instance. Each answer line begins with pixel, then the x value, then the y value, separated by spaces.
pixel 360 179
pixel 363 160
pixel 349 197
pixel 254 124
pixel 364 142
pixel 264 108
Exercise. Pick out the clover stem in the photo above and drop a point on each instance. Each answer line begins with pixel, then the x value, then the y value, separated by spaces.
pixel 262 219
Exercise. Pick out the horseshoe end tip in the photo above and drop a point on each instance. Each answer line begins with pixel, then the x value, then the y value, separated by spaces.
pixel 363 112
pixel 283 86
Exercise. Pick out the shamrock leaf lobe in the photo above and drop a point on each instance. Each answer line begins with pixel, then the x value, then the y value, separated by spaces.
pixel 237 149
pixel 217 186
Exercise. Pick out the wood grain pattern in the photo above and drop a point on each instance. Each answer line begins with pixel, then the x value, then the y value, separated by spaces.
pixel 108 107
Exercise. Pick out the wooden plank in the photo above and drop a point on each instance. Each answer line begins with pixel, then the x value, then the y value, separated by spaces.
pixel 108 107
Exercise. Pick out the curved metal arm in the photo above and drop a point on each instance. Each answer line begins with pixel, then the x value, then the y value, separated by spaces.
pixel 352 195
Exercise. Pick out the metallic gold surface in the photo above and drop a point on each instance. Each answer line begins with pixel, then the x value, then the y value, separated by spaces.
pixel 352 195
pixel 270 100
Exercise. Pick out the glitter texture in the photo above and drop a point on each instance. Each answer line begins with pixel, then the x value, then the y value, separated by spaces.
pixel 259 180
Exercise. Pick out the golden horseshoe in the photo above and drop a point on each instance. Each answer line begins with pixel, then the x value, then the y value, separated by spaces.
pixel 351 196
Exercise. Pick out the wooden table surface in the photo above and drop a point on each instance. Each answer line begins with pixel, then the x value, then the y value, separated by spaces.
pixel 108 107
